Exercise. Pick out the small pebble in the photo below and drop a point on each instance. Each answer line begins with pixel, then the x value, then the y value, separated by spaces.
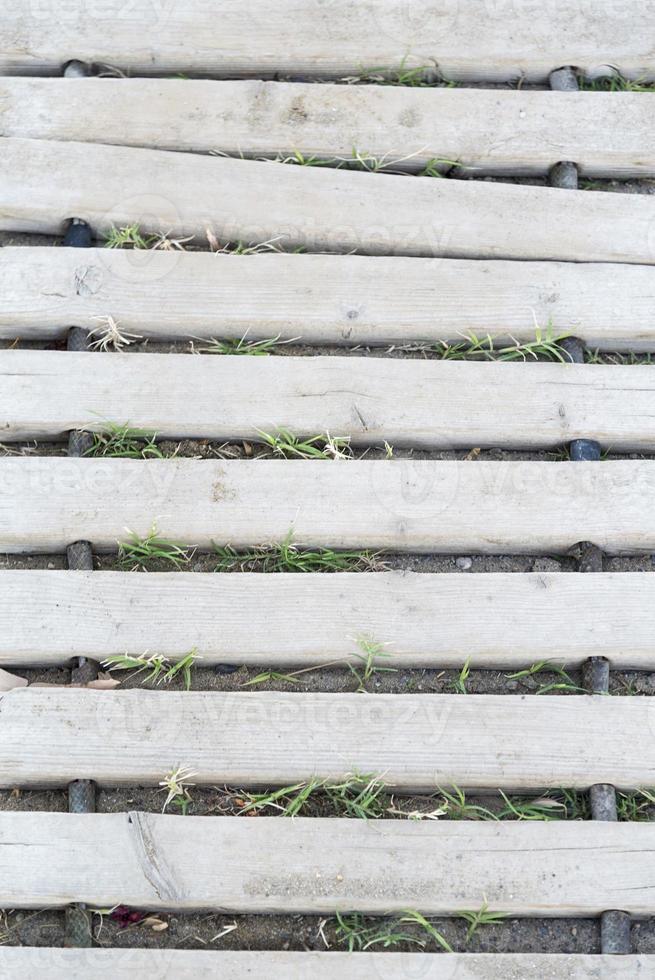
pixel 464 563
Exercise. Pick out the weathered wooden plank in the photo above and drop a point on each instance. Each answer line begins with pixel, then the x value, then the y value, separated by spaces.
pixel 46 618
pixel 322 298
pixel 425 404
pixel 506 132
pixel 324 865
pixel 155 964
pixel 404 505
pixel 414 742
pixel 47 183
pixel 470 42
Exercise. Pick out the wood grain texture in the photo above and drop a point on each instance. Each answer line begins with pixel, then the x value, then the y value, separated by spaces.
pixel 322 298
pixel 159 964
pixel 506 132
pixel 230 37
pixel 253 738
pixel 423 404
pixel 404 505
pixel 184 195
pixel 323 865
pixel 46 618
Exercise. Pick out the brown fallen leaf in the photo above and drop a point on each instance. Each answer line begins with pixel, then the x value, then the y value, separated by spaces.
pixel 9 682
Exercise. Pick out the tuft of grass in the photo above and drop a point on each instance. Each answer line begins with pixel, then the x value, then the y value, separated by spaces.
pixel 371 652
pixel 362 797
pixel 284 443
pixel 545 346
pixel 289 800
pixel 244 347
pixel 141 552
pixel 176 785
pixel 541 809
pixel 354 932
pixel 109 336
pixel 287 557
pixel 565 684
pixel 125 442
pixel 437 167
pixel 615 83
pixel 129 236
pixel 618 357
pixel 158 669
pixel 421 76
pixel 459 684
pixel 456 807
pixel 409 915
pixel 267 676
pixel 483 917
pixel 635 807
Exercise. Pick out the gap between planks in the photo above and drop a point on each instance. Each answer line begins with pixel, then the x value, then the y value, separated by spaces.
pixel 397 505
pixel 607 134
pixel 233 37
pixel 322 298
pixel 155 964
pixel 320 866
pixel 184 195
pixel 421 620
pixel 372 401
pixel 414 743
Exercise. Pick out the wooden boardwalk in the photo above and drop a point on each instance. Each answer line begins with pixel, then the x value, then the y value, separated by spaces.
pixel 356 269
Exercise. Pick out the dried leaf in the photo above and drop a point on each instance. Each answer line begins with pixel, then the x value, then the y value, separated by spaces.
pixel 9 682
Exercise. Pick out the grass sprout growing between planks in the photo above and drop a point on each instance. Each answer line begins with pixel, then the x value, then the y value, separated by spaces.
pixel 421 76
pixel 546 346
pixel 110 336
pixel 176 785
pixel 354 932
pixel 409 915
pixel 615 83
pixel 284 443
pixel 243 346
pixel 158 669
pixel 363 797
pixel 459 684
pixel 483 917
pixel 288 557
pixel 123 442
pixel 368 163
pixel 139 553
pixel 565 683
pixel 371 652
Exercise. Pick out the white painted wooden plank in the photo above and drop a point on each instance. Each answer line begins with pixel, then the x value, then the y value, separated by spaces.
pixel 473 41
pixel 424 404
pixel 422 506
pixel 322 209
pixel 322 298
pixel 506 132
pixel 158 964
pixel 324 865
pixel 47 618
pixel 253 738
